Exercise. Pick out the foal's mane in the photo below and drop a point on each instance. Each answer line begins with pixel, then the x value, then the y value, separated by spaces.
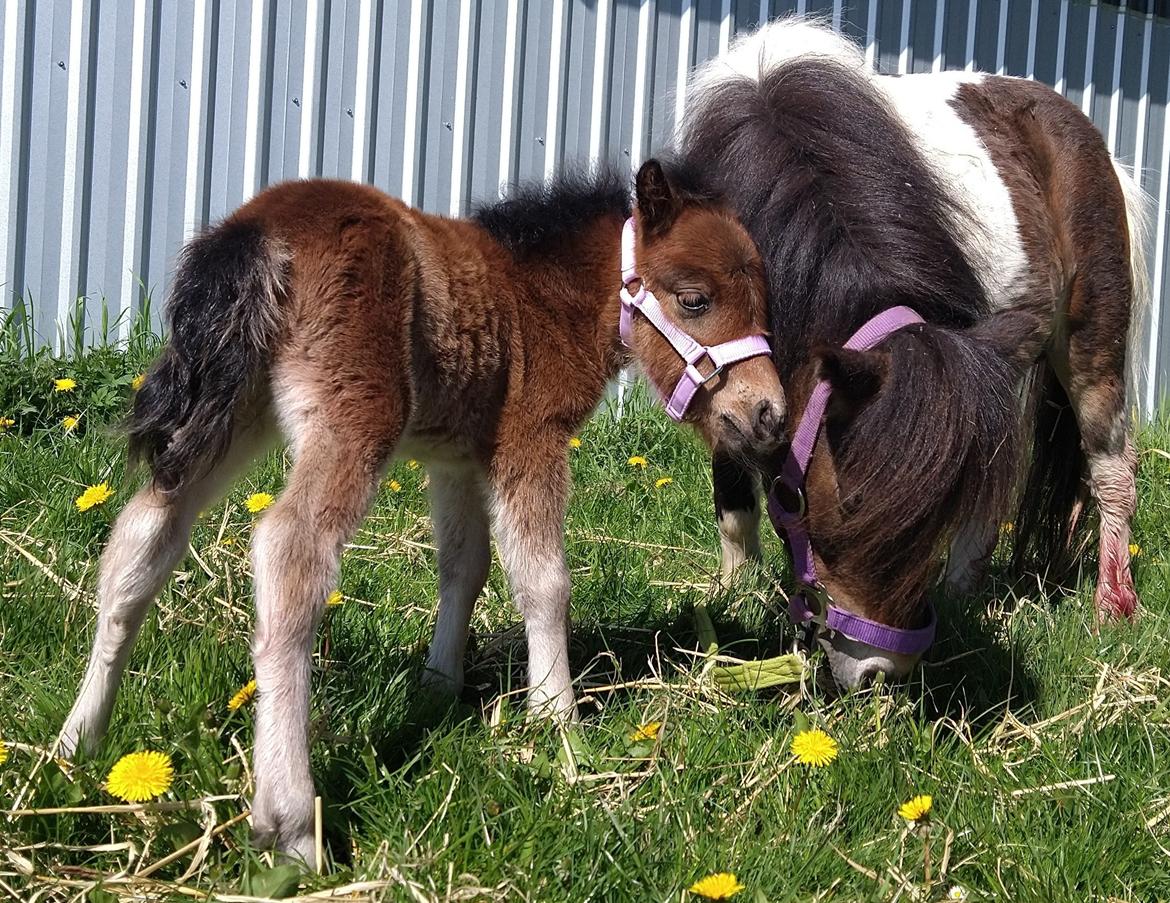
pixel 850 221
pixel 537 218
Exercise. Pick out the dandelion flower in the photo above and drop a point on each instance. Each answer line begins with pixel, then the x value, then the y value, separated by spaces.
pixel 6 423
pixel 647 731
pixel 3 753
pixel 228 541
pixel 1134 550
pixel 140 776
pixel 814 748
pixel 574 442
pixel 1006 527
pixel 244 695
pixel 637 461
pixel 94 496
pixel 335 598
pixel 70 423
pixel 663 481
pixel 258 501
pixel 413 464
pixel 136 382
pixel 717 887
pixel 394 486
pixel 916 809
pixel 64 385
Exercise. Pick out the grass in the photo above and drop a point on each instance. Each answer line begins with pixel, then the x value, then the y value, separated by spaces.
pixel 1045 746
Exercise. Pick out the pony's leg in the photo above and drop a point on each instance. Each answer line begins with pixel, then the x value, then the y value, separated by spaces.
pixel 530 485
pixel 148 540
pixel 737 510
pixel 970 553
pixel 296 550
pixel 459 515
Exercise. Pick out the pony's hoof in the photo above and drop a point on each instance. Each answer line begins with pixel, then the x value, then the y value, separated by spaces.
pixel 292 839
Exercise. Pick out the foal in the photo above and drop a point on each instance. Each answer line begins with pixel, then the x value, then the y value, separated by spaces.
pixel 358 329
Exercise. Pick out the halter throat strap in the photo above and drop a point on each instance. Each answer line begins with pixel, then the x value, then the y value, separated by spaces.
pixel 693 353
pixel 786 508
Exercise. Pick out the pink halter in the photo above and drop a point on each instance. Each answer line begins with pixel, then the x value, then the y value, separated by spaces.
pixel 719 356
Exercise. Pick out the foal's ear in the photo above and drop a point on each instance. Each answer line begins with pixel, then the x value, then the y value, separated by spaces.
pixel 658 203
pixel 856 377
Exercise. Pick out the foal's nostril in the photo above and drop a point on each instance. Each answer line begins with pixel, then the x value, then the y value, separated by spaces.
pixel 767 420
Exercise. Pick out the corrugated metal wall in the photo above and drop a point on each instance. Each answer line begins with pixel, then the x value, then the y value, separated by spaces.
pixel 127 124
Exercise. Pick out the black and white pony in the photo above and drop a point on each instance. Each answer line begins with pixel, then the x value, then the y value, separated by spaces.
pixel 988 205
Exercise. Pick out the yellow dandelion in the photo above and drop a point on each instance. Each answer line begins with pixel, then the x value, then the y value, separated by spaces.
pixel 394 486
pixel 647 731
pixel 228 541
pixel 1134 550
pixel 64 385
pixel 140 776
pixel 1006 527
pixel 637 461
pixel 335 598
pixel 136 382
pixel 6 423
pixel 244 695
pixel 814 748
pixel 574 442
pixel 94 496
pixel 663 481
pixel 3 752
pixel 719 886
pixel 413 464
pixel 916 809
pixel 258 501
pixel 70 423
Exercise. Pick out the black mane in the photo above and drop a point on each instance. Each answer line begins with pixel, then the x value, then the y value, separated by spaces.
pixel 537 217
pixel 850 221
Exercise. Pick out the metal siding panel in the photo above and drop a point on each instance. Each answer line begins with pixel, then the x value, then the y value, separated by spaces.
pixel 533 91
pixel 1076 42
pixel 389 92
pixel 1019 22
pixel 440 91
pixel 955 34
pixel 1131 87
pixel 577 98
pixel 664 71
pixel 922 36
pixel 621 111
pixel 1156 153
pixel 1101 70
pixel 889 34
pixel 1047 34
pixel 987 34
pixel 854 17
pixel 484 164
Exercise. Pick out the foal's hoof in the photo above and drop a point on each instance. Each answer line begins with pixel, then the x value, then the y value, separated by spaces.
pixel 1116 602
pixel 292 840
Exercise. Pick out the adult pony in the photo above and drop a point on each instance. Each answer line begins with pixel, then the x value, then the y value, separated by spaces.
pixel 359 328
pixel 986 207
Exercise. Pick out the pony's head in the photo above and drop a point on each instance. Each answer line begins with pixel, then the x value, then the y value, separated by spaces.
pixel 703 280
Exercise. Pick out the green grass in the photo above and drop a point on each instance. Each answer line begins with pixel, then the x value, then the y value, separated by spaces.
pixel 1045 746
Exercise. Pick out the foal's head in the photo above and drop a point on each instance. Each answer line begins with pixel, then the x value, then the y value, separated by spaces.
pixel 699 262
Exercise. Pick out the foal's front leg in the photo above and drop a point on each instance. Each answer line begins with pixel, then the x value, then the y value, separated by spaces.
pixel 530 485
pixel 737 509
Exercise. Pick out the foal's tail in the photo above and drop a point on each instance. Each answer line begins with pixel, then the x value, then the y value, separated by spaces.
pixel 1137 215
pixel 224 315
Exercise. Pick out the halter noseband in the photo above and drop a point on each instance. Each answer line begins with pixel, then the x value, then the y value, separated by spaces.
pixel 786 508
pixel 691 351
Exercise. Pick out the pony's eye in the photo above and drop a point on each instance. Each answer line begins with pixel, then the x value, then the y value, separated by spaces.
pixel 693 302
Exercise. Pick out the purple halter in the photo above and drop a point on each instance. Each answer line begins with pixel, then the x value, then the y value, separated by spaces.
pixel 789 521
pixel 689 350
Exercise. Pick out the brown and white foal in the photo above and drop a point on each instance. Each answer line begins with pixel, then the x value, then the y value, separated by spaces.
pixel 357 329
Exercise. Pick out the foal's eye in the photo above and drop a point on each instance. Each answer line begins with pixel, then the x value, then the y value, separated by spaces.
pixel 693 302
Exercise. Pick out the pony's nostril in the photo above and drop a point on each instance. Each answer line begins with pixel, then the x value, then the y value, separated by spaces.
pixel 767 420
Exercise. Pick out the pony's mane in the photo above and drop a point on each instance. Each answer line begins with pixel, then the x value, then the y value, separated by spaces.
pixel 850 220
pixel 538 217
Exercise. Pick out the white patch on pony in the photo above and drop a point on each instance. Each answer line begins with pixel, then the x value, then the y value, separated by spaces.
pixel 739 540
pixel 970 552
pixel 991 239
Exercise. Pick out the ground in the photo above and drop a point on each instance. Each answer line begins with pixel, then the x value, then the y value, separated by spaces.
pixel 1044 745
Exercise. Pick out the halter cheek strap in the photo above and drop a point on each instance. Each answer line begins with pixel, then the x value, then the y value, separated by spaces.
pixel 786 508
pixel 692 352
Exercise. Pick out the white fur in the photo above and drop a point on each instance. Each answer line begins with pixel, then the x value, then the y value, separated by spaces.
pixel 922 102
pixel 970 553
pixel 739 540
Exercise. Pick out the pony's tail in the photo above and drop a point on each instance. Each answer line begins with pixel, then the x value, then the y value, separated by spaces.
pixel 1137 215
pixel 1049 530
pixel 224 315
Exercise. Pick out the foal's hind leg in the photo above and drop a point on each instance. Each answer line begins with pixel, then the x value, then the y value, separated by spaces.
pixel 148 540
pixel 295 552
pixel 737 510
pixel 459 515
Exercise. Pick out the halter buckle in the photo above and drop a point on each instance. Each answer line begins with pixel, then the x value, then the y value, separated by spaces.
pixel 790 499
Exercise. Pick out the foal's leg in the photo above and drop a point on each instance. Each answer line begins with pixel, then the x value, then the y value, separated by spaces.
pixel 530 485
pixel 459 515
pixel 737 510
pixel 295 552
pixel 970 554
pixel 148 540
